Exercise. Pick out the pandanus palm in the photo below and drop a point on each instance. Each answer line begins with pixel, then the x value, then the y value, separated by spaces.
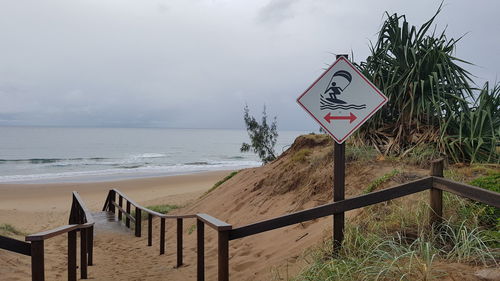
pixel 428 91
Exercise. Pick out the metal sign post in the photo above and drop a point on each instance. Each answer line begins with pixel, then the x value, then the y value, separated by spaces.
pixel 341 100
pixel 338 189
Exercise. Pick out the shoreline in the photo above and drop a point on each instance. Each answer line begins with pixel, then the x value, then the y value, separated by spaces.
pixel 36 207
pixel 118 177
pixel 95 176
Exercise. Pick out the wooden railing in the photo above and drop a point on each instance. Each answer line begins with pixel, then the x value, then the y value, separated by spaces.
pixel 225 232
pixel 80 221
pixel 112 206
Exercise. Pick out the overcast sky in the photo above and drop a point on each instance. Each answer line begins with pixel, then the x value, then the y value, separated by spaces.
pixel 195 63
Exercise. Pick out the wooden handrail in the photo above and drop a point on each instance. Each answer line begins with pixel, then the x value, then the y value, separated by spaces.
pixel 88 215
pixel 113 205
pixel 472 192
pixel 149 211
pixel 129 216
pixel 332 208
pixel 14 245
pixel 44 235
pixel 214 223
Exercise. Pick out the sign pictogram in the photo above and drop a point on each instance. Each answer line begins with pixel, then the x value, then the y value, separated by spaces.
pixel 341 99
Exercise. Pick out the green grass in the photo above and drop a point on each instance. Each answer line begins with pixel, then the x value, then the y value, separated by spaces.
pixel 191 229
pixel 217 184
pixel 8 229
pixel 421 155
pixel 163 209
pixel 490 182
pixel 369 255
pixel 392 240
pixel 359 153
pixel 379 181
pixel 487 215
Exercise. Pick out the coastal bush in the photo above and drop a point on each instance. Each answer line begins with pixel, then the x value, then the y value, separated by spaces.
pixel 263 136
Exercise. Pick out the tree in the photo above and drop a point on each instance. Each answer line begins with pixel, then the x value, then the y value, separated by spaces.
pixel 262 136
pixel 431 100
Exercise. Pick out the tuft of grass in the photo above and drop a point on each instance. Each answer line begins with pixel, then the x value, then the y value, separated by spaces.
pixel 379 181
pixel 393 241
pixel 488 215
pixel 490 182
pixel 369 255
pixel 217 184
pixel 421 155
pixel 191 229
pixel 8 229
pixel 301 155
pixel 163 209
pixel 359 153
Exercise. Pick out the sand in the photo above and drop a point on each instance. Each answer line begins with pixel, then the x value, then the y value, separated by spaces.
pixel 31 208
pixel 36 207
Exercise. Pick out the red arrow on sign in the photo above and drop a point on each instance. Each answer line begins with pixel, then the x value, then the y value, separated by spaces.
pixel 329 117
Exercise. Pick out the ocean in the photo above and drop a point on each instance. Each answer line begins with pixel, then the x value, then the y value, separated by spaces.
pixel 46 155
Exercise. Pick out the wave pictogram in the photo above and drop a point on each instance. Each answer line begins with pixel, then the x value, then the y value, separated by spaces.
pixel 333 106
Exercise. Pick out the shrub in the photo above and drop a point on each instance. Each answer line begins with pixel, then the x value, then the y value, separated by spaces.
pixel 263 136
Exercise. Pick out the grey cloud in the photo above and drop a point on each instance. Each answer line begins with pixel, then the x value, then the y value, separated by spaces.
pixel 196 63
pixel 276 11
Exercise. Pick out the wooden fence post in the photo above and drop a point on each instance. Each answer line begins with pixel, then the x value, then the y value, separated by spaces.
pixel 150 229
pixel 436 195
pixel 127 220
pixel 72 255
pixel 83 253
pixel 179 242
pixel 90 249
pixel 120 202
pixel 37 261
pixel 162 236
pixel 223 249
pixel 112 198
pixel 138 222
pixel 200 231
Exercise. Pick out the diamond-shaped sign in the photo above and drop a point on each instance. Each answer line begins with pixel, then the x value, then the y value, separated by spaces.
pixel 341 99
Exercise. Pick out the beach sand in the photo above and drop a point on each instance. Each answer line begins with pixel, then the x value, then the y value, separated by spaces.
pixel 36 207
pixel 31 208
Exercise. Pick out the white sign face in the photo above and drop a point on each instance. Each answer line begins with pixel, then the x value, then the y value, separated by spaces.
pixel 341 99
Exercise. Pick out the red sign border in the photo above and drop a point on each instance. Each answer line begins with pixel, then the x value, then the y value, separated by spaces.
pixel 385 99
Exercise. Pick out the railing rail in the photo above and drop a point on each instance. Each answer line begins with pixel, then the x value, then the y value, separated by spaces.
pixel 116 207
pixel 332 208
pixel 14 245
pixel 80 220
